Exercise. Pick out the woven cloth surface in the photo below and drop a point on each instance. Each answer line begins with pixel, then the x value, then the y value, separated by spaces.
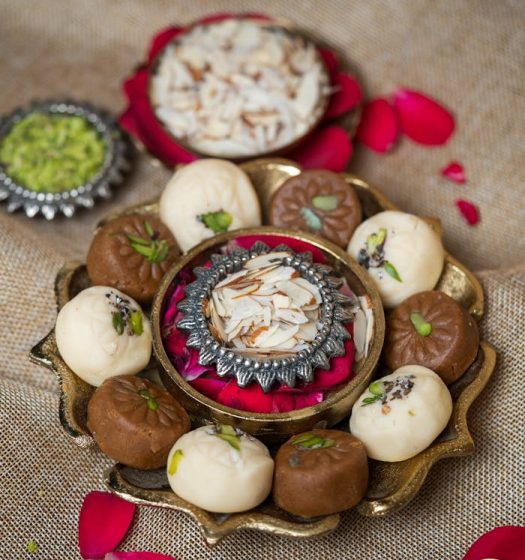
pixel 469 54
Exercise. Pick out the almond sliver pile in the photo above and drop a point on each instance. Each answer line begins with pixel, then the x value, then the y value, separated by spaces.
pixel 239 88
pixel 264 308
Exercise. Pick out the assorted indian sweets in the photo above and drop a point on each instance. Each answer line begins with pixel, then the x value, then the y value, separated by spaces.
pixel 265 308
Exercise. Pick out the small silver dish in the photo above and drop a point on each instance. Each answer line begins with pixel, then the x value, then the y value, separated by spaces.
pixel 337 308
pixel 117 162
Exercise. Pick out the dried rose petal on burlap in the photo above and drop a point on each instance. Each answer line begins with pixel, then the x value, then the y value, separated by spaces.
pixel 469 211
pixel 378 129
pixel 455 172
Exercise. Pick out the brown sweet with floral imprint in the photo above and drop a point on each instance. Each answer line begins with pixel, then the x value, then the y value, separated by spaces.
pixel 432 330
pixel 317 201
pixel 135 422
pixel 320 472
pixel 132 253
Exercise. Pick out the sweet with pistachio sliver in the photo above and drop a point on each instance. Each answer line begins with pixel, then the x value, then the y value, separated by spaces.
pixel 52 153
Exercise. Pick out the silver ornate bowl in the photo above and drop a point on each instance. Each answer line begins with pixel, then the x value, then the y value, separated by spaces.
pixel 116 163
pixel 328 343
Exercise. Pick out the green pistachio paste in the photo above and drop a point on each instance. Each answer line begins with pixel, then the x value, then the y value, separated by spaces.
pixel 52 153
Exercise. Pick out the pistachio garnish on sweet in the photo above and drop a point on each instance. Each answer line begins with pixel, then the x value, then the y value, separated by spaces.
pixel 378 391
pixel 124 317
pixel 373 256
pixel 326 202
pixel 422 327
pixel 175 460
pixel 229 435
pixel 313 441
pixel 311 218
pixel 150 400
pixel 153 248
pixel 218 222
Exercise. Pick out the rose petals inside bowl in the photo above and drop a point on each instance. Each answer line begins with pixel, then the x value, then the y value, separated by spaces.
pixel 209 392
pixel 239 88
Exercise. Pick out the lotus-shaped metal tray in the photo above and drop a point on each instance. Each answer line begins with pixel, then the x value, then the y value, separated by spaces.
pixel 392 485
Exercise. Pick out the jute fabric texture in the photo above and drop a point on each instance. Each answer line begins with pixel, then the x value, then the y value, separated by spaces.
pixel 470 55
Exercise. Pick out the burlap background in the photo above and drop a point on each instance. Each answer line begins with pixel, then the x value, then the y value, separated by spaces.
pixel 469 54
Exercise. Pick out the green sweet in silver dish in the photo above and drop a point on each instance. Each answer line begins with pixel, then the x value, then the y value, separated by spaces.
pixel 52 152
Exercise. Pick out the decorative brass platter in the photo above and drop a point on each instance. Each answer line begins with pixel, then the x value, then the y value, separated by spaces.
pixel 392 485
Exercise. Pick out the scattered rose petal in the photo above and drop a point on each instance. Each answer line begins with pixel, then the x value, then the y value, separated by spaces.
pixel 469 211
pixel 346 96
pixel 378 128
pixel 103 523
pixel 422 118
pixel 503 542
pixel 328 148
pixel 137 556
pixel 455 172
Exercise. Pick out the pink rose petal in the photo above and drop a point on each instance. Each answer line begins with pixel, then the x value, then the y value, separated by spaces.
pixel 103 523
pixel 347 95
pixel 504 543
pixel 422 118
pixel 469 211
pixel 378 129
pixel 137 556
pixel 455 172
pixel 328 148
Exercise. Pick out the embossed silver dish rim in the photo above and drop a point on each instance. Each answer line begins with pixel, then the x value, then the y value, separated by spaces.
pixel 116 163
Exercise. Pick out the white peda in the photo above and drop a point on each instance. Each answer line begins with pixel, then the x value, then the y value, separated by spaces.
pixel 101 333
pixel 220 469
pixel 401 414
pixel 207 197
pixel 401 252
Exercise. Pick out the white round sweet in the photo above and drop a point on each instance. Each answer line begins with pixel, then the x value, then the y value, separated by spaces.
pixel 101 333
pixel 401 252
pixel 207 197
pixel 401 414
pixel 220 469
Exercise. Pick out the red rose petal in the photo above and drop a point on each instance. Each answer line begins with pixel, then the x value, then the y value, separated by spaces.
pixel 469 211
pixel 137 556
pixel 455 172
pixel 162 39
pixel 328 148
pixel 505 543
pixel 251 398
pixel 308 399
pixel 140 121
pixel 345 98
pixel 378 128
pixel 296 245
pixel 330 60
pixel 208 386
pixel 282 402
pixel 422 118
pixel 340 368
pixel 103 523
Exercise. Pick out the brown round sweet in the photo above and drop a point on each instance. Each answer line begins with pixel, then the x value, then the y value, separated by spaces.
pixel 319 473
pixel 317 201
pixel 447 347
pixel 135 422
pixel 132 253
